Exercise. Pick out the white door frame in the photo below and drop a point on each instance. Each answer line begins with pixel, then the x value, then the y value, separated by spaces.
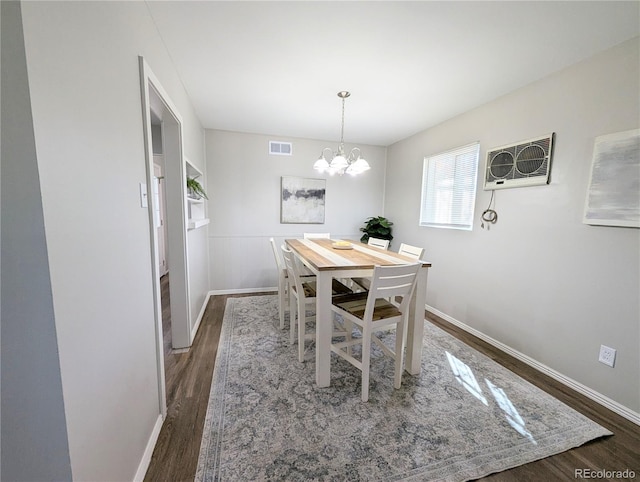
pixel 158 172
pixel 175 186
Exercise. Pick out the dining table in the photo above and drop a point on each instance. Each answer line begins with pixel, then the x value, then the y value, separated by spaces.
pixel 343 259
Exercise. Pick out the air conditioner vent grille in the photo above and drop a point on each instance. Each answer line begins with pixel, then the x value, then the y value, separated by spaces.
pixel 530 160
pixel 279 148
pixel 501 165
pixel 526 163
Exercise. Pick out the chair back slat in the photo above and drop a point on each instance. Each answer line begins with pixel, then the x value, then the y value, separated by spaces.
pixel 292 269
pixel 378 243
pixel 412 251
pixel 279 263
pixel 289 261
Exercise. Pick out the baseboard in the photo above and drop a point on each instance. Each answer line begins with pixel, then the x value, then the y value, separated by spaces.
pixel 194 330
pixel 148 451
pixel 569 382
pixel 243 290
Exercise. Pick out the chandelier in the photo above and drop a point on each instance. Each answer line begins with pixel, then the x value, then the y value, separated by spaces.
pixel 338 162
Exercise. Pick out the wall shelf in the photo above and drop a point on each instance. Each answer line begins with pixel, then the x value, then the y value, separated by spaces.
pixel 195 207
pixel 197 223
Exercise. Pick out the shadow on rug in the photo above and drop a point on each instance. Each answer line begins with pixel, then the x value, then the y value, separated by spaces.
pixel 462 418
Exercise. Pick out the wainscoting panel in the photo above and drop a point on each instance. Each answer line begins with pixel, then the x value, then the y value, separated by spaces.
pixel 244 262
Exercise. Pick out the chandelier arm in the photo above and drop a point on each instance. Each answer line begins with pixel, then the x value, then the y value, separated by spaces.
pixel 330 153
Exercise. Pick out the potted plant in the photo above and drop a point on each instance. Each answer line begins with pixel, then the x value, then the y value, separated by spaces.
pixel 195 189
pixel 376 227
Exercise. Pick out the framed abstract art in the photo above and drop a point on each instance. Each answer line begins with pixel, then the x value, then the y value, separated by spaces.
pixel 302 200
pixel 613 195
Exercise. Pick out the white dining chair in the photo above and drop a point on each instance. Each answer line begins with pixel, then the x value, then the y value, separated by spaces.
pixel 378 243
pixel 412 251
pixel 302 296
pixel 370 312
pixel 283 284
pixel 316 235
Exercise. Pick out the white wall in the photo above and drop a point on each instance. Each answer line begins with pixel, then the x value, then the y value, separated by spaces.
pixel 34 433
pixel 82 60
pixel 539 280
pixel 244 202
pixel 198 270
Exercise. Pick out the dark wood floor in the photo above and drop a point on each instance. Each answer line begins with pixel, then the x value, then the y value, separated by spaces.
pixel 176 454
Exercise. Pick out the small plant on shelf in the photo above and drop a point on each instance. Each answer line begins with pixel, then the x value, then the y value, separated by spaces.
pixel 195 189
pixel 376 227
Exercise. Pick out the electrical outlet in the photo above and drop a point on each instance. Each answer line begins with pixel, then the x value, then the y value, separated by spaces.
pixel 607 355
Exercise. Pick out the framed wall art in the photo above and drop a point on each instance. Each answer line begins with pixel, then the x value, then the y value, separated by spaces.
pixel 302 200
pixel 613 195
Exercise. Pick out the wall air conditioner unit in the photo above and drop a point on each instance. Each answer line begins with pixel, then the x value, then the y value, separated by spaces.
pixel 527 163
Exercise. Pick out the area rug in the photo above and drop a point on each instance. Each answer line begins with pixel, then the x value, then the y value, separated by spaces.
pixel 462 418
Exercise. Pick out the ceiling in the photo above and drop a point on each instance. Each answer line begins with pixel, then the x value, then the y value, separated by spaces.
pixel 276 67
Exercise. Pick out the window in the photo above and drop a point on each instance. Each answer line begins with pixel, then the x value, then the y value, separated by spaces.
pixel 449 188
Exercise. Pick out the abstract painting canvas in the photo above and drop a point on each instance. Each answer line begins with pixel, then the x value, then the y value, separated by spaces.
pixel 613 196
pixel 302 200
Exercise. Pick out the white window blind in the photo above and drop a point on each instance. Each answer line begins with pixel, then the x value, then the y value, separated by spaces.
pixel 449 188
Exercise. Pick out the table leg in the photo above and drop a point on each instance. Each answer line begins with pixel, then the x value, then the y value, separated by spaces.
pixel 415 330
pixel 324 328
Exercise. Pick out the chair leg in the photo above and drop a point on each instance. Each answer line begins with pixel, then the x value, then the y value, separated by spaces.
pixel 282 286
pixel 292 317
pixel 399 358
pixel 302 329
pixel 366 361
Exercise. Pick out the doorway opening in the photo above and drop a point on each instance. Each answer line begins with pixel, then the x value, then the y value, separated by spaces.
pixel 160 224
pixel 166 180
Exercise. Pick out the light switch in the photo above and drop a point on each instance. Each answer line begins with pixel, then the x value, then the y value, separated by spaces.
pixel 144 202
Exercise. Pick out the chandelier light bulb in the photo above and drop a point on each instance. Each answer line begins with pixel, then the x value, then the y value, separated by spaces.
pixel 321 165
pixel 358 167
pixel 339 162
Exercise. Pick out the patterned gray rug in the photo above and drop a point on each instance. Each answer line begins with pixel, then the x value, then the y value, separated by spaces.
pixel 462 418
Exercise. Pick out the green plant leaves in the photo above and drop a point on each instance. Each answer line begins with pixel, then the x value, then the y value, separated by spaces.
pixel 196 188
pixel 376 227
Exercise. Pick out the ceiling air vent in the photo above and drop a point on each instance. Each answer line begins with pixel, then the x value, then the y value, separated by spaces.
pixel 526 163
pixel 278 148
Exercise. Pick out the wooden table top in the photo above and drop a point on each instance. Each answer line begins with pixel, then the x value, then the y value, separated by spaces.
pixel 322 255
